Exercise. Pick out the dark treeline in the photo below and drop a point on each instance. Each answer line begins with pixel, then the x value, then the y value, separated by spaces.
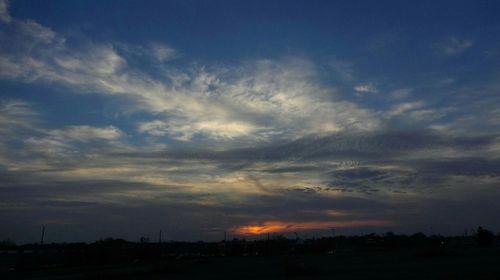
pixel 120 251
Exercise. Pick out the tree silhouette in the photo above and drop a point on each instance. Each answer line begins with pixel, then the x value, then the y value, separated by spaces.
pixel 484 237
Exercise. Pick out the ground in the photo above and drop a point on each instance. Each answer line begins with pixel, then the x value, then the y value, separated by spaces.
pixel 474 264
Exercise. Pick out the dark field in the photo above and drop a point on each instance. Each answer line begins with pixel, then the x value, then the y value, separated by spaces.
pixel 473 265
pixel 359 266
pixel 368 257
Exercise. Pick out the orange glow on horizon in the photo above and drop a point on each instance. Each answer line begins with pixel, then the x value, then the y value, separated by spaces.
pixel 280 226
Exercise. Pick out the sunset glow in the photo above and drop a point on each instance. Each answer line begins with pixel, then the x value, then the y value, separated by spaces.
pixel 281 226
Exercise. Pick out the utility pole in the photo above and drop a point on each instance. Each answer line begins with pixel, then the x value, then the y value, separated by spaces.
pixel 43 235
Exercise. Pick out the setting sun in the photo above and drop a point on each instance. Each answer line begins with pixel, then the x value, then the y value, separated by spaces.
pixel 280 226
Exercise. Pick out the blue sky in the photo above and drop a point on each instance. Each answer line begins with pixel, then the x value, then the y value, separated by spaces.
pixel 121 118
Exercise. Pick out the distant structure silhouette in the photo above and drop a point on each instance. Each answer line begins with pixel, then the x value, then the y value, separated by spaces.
pixel 484 237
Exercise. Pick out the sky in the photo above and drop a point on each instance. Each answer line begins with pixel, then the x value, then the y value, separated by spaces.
pixel 123 118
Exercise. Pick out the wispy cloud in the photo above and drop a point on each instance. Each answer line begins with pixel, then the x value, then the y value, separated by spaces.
pixel 405 107
pixel 454 46
pixel 401 93
pixel 343 69
pixel 85 133
pixel 163 52
pixel 4 11
pixel 257 100
pixel 16 114
pixel 365 88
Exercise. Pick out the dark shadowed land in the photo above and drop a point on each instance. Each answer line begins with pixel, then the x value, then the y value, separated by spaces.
pixel 372 256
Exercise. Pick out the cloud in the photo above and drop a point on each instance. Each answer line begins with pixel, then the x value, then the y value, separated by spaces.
pixel 259 100
pixel 401 93
pixel 445 82
pixel 252 101
pixel 184 130
pixel 473 115
pixel 15 114
pixel 404 108
pixel 17 120
pixel 34 31
pixel 26 143
pixel 66 142
pixel 468 166
pixel 342 68
pixel 454 46
pixel 86 133
pixel 97 61
pixel 252 185
pixel 416 112
pixel 366 88
pixel 256 100
pixel 4 11
pixel 163 52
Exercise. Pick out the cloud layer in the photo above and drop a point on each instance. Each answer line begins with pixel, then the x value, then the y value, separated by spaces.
pixel 156 138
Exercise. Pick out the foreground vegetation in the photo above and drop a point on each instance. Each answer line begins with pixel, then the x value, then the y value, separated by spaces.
pixel 372 256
